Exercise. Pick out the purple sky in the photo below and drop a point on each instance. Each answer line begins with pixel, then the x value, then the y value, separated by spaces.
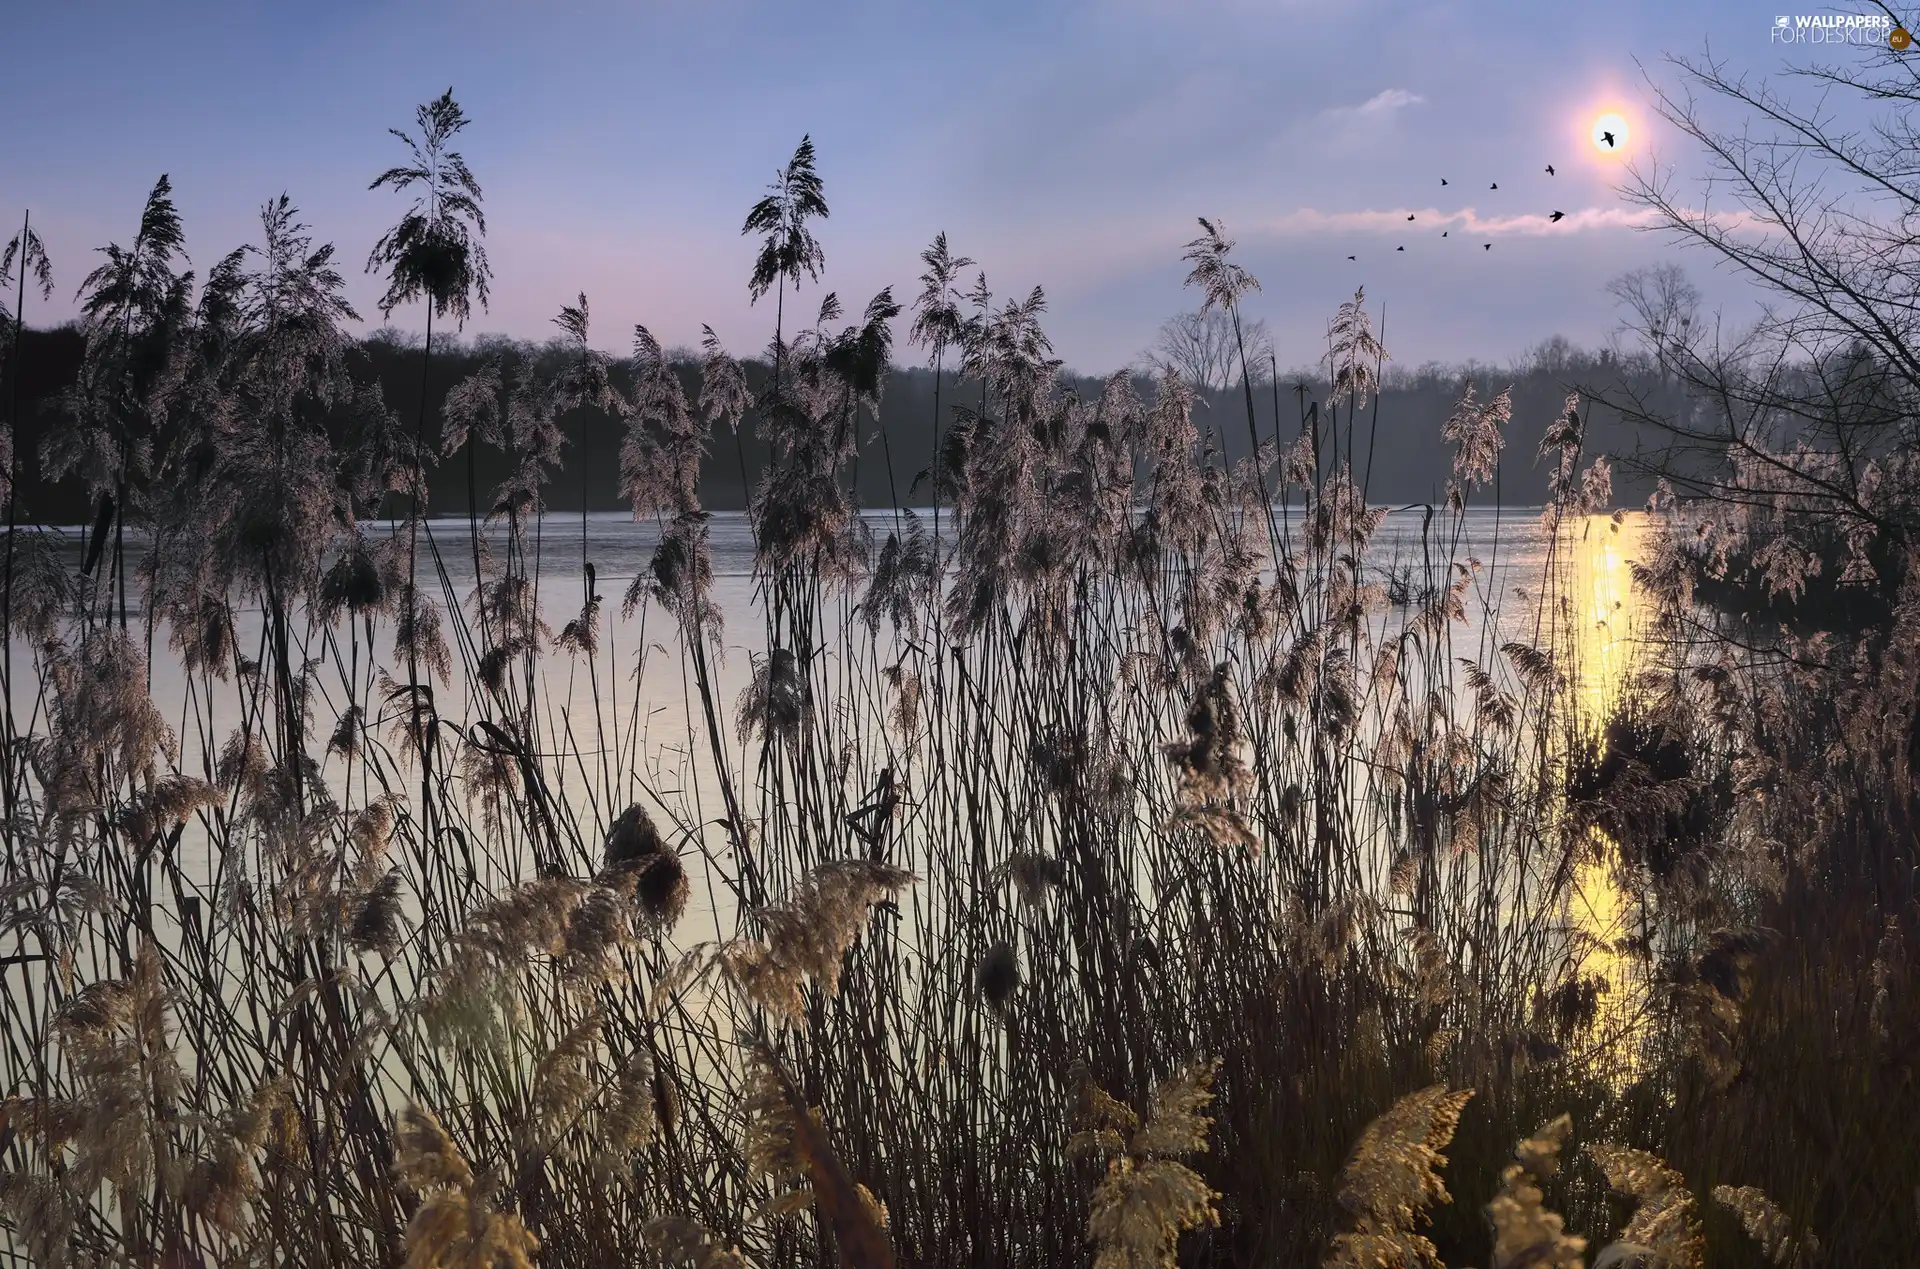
pixel 1065 144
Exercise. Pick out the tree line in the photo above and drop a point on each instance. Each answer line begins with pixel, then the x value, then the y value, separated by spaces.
pixel 1409 463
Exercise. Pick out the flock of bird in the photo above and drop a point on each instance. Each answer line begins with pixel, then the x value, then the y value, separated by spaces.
pixel 1554 218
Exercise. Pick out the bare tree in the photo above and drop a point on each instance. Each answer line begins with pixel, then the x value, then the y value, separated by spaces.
pixel 1658 298
pixel 1659 307
pixel 1200 348
pixel 1806 420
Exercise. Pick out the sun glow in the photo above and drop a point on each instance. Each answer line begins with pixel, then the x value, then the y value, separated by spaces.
pixel 1610 133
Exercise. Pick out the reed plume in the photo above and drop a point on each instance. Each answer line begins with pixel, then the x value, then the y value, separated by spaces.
pixel 1768 1226
pixel 455 1225
pixel 1663 1229
pixel 1525 1234
pixel 1147 1197
pixel 679 1241
pixel 804 939
pixel 788 1143
pixel 1390 1179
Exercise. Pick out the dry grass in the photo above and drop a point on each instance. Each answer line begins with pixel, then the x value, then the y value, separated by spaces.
pixel 1126 759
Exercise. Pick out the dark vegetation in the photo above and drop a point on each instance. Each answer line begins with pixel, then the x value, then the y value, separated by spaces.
pixel 1102 867
pixel 1410 463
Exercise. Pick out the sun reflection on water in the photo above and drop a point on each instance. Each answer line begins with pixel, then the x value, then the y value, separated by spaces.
pixel 1602 615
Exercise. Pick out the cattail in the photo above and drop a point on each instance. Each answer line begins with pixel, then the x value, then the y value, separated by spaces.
pixel 666 1101
pixel 999 974
pixel 1525 1234
pixel 1392 1176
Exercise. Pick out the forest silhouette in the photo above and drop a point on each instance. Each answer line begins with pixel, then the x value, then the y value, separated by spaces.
pixel 1410 463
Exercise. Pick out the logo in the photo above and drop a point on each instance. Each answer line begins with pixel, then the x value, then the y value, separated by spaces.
pixel 1839 28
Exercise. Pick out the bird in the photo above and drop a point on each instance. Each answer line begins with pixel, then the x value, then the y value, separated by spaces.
pixel 1608 138
pixel 1487 245
pixel 1495 185
pixel 1443 180
pixel 1549 169
pixel 1557 217
pixel 1443 233
pixel 1350 257
pixel 1409 215
pixel 1399 248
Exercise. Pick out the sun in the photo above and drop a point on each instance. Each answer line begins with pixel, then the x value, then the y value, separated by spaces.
pixel 1610 134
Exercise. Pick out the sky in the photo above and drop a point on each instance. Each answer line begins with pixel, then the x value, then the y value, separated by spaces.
pixel 1070 145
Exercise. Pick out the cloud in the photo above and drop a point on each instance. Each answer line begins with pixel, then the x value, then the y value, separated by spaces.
pixel 1382 105
pixel 1308 220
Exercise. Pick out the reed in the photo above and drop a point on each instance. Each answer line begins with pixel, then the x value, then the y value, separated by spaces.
pixel 1112 871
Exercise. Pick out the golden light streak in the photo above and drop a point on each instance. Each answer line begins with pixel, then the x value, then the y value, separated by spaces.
pixel 1603 616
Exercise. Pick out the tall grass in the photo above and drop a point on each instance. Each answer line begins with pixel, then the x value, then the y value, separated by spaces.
pixel 1107 871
